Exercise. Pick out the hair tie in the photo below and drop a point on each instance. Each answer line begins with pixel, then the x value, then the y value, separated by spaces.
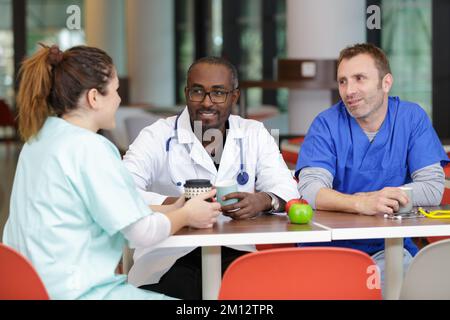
pixel 55 55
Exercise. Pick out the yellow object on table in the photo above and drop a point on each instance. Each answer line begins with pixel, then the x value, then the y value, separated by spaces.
pixel 436 214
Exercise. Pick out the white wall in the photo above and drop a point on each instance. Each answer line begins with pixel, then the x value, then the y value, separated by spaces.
pixel 150 44
pixel 319 29
pixel 105 29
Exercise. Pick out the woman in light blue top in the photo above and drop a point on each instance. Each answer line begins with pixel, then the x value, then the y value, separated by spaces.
pixel 73 204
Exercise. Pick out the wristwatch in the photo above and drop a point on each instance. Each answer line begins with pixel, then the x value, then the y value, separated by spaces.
pixel 275 203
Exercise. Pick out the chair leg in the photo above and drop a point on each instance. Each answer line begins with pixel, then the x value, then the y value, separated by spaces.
pixel 127 260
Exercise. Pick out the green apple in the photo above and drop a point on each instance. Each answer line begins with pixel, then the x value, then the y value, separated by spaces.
pixel 300 213
pixel 290 203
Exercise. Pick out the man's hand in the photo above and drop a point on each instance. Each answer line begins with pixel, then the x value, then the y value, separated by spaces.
pixel 386 200
pixel 249 205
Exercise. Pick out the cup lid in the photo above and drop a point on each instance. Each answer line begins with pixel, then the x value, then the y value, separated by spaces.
pixel 198 183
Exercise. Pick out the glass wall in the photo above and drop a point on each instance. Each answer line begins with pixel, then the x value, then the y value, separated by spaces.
pixel 251 45
pixel 257 42
pixel 407 40
pixel 47 22
pixel 216 28
pixel 185 37
pixel 6 52
pixel 247 46
pixel 281 37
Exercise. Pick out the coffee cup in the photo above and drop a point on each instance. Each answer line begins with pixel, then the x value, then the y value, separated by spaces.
pixel 224 188
pixel 409 206
pixel 195 187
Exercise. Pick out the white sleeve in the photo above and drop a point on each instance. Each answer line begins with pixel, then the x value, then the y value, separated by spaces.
pixel 147 231
pixel 141 162
pixel 272 173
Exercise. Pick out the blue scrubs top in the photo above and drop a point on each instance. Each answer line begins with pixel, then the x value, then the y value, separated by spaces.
pixel 70 199
pixel 405 143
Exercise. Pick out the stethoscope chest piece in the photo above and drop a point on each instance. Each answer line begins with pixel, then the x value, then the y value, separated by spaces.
pixel 242 178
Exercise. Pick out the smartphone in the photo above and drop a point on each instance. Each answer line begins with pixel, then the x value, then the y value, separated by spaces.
pixel 406 215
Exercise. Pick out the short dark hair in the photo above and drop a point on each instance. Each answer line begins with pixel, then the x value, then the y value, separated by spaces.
pixel 381 61
pixel 218 61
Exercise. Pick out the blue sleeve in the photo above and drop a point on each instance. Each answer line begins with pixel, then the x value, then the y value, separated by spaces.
pixel 424 148
pixel 109 193
pixel 318 149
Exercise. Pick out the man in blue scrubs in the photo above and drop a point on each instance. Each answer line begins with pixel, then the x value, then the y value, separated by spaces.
pixel 358 152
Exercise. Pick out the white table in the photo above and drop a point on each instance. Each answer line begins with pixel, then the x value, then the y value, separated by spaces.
pixel 261 230
pixel 346 226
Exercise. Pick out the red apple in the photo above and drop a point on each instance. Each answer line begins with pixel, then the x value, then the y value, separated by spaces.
pixel 292 201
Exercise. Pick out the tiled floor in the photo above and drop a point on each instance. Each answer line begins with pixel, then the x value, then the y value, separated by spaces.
pixel 8 161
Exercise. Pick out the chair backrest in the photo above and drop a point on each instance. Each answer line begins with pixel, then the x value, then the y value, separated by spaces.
pixel 428 274
pixel 18 278
pixel 446 196
pixel 8 125
pixel 302 273
pixel 119 135
pixel 445 200
pixel 134 125
pixel 6 115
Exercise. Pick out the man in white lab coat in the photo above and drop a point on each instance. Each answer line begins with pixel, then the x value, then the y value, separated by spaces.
pixel 204 142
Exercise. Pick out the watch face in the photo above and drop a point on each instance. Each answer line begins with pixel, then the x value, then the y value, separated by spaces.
pixel 276 206
pixel 275 202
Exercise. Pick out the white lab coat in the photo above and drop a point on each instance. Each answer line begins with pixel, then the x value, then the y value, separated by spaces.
pixel 156 175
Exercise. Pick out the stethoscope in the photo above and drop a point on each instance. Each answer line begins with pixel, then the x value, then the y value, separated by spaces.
pixel 242 177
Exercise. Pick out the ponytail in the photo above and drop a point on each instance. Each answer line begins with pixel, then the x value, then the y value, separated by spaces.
pixel 51 83
pixel 34 89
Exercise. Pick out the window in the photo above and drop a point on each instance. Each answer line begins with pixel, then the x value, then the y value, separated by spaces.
pixel 407 40
pixel 46 22
pixel 6 52
pixel 249 33
pixel 184 44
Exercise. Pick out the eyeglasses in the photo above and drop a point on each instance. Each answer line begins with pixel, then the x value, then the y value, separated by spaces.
pixel 216 96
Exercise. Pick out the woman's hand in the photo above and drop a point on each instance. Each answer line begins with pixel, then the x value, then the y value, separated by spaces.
pixel 179 203
pixel 200 213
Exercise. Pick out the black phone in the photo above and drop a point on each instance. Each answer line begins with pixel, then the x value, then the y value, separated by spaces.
pixel 406 215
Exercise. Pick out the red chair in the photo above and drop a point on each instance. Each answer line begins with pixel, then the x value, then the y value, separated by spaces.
pixel 302 273
pixel 7 121
pixel 18 278
pixel 290 149
pixel 445 200
pixel 446 196
pixel 268 246
pixel 447 168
